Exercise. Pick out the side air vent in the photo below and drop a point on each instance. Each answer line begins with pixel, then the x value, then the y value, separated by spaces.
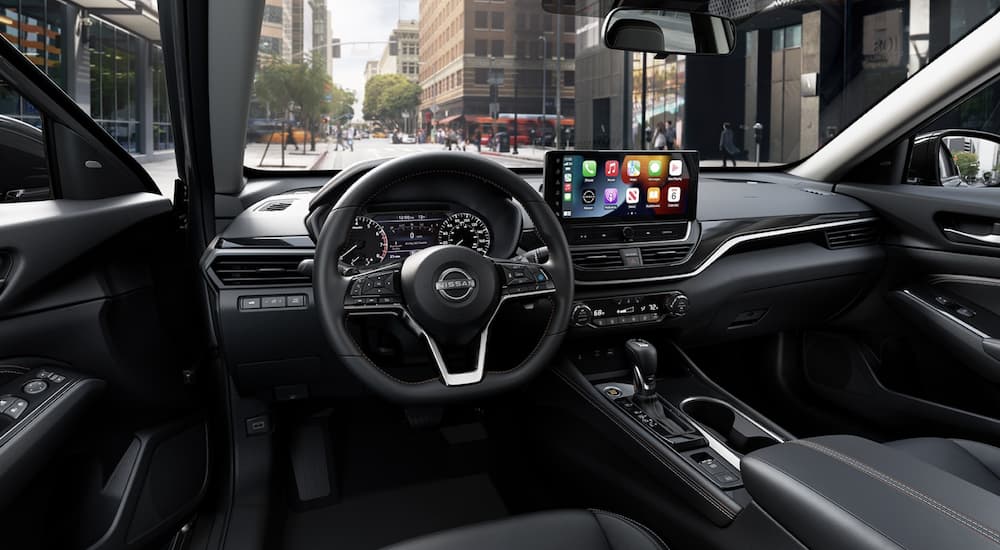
pixel 598 259
pixel 858 235
pixel 274 206
pixel 259 270
pixel 664 254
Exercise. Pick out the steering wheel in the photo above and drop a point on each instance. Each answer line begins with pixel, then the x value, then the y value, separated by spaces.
pixel 448 295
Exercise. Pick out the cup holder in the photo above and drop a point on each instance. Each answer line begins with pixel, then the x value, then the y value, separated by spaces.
pixel 730 426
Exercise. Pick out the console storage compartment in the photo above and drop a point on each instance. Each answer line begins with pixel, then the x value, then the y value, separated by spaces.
pixel 837 492
pixel 730 426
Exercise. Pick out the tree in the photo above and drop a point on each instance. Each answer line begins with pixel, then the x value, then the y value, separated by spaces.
pixel 387 96
pixel 968 164
pixel 304 89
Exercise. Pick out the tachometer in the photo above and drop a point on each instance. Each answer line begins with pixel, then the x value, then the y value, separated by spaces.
pixel 466 230
pixel 366 243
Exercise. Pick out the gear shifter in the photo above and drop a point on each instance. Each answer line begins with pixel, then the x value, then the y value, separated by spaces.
pixel 643 358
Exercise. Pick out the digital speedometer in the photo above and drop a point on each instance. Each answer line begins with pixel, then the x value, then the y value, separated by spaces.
pixel 464 229
pixel 366 243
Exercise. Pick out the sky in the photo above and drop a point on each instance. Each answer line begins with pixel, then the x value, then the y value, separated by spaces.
pixel 363 21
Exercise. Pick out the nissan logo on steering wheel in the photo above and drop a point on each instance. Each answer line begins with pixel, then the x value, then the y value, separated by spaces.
pixel 455 284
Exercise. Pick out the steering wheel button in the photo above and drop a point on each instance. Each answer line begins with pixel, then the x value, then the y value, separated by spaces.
pixel 35 387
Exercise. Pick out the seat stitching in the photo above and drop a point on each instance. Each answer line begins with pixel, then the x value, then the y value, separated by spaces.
pixel 684 477
pixel 906 489
pixel 650 534
pixel 828 499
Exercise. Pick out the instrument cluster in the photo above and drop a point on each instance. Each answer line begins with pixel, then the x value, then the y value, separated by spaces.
pixel 390 236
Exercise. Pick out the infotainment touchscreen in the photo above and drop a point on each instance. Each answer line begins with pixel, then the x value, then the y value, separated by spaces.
pixel 598 186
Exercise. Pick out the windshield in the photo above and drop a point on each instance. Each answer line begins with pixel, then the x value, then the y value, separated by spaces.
pixel 341 81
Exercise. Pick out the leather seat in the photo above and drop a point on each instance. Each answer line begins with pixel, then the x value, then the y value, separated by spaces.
pixel 977 463
pixel 576 529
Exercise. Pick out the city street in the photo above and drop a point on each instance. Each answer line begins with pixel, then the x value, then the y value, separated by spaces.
pixel 369 149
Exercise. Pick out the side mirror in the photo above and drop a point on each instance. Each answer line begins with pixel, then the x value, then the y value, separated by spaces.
pixel 954 158
pixel 667 31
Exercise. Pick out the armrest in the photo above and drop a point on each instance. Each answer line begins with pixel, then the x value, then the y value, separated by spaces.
pixel 842 491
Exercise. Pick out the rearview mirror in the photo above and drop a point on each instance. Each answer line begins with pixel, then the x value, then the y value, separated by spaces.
pixel 666 31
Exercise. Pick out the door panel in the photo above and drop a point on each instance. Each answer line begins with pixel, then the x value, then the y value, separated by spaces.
pixel 921 356
pixel 103 436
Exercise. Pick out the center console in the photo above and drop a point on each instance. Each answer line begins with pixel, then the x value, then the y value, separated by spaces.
pixel 665 414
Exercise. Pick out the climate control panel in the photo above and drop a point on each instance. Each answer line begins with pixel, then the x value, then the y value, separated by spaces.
pixel 629 310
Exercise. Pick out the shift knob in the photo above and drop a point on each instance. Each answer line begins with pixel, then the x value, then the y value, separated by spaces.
pixel 642 356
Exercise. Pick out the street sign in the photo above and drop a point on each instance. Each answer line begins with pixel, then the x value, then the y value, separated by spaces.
pixel 495 81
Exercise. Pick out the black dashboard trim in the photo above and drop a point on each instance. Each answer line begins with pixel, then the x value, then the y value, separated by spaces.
pixel 728 245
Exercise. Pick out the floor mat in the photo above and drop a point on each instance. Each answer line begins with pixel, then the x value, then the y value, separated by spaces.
pixel 377 519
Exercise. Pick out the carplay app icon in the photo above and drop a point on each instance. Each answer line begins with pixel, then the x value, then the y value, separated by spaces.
pixel 589 196
pixel 673 194
pixel 611 168
pixel 676 167
pixel 653 195
pixel 633 168
pixel 632 195
pixel 611 195
pixel 655 168
pixel 589 168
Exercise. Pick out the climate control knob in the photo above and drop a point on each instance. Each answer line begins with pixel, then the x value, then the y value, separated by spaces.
pixel 581 314
pixel 677 304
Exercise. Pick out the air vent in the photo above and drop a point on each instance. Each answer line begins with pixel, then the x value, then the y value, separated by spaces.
pixel 598 259
pixel 858 235
pixel 259 270
pixel 664 254
pixel 274 206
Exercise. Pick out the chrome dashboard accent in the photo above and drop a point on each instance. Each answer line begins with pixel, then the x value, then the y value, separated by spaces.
pixel 727 246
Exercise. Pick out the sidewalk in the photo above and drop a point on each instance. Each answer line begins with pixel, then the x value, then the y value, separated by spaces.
pixel 301 159
pixel 526 152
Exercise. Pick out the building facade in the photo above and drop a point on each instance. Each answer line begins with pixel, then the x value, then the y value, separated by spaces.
pixel 509 54
pixel 107 58
pixel 401 54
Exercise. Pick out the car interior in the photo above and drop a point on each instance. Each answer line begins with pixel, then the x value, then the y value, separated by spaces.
pixel 611 349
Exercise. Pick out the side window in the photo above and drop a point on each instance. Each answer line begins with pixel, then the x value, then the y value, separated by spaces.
pixel 961 148
pixel 22 146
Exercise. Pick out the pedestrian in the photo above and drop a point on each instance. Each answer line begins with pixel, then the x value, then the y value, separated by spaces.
pixel 339 145
pixel 351 134
pixel 451 140
pixel 479 141
pixel 671 135
pixel 660 137
pixel 727 145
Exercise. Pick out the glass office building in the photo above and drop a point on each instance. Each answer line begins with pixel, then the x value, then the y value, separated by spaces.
pixel 106 58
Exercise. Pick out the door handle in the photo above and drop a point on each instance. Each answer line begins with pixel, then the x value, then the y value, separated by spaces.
pixel 988 239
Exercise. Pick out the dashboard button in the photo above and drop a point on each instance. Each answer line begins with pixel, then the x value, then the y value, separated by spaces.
pixel 250 302
pixel 272 302
pixel 297 300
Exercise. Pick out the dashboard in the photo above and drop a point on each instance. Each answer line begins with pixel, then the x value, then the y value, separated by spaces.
pixel 387 233
pixel 757 253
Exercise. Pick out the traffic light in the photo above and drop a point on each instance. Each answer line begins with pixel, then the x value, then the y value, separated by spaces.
pixel 335 48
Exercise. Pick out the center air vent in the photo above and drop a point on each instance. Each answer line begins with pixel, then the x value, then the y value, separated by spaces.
pixel 259 270
pixel 598 259
pixel 274 206
pixel 664 254
pixel 857 235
